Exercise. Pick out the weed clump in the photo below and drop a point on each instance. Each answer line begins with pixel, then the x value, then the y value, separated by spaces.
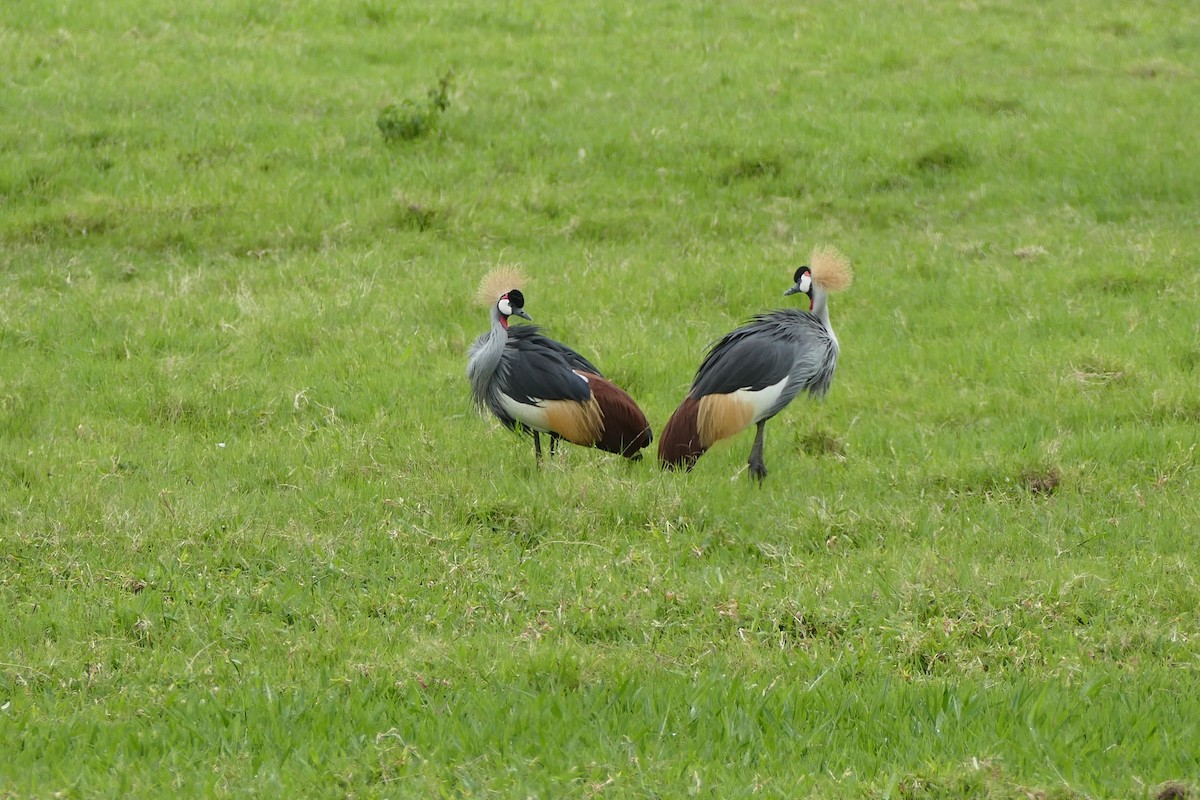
pixel 943 158
pixel 415 215
pixel 822 443
pixel 753 168
pixel 1173 790
pixel 411 119
pixel 1041 481
pixel 1035 480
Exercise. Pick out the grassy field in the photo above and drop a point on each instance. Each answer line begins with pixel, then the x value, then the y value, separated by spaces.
pixel 254 541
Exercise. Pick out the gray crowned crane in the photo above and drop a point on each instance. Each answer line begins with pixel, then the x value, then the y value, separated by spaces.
pixel 753 372
pixel 536 385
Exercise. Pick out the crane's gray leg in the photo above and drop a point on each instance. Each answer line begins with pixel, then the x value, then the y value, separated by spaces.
pixel 537 448
pixel 758 470
pixel 553 441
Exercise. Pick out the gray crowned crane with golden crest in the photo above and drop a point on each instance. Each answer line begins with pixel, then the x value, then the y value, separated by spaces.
pixel 753 372
pixel 533 384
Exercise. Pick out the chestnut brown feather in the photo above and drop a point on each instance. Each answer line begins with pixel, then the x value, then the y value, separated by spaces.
pixel 626 430
pixel 679 442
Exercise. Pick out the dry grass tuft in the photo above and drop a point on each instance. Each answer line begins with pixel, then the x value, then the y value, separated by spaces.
pixel 1041 481
pixel 1030 252
pixel 1096 376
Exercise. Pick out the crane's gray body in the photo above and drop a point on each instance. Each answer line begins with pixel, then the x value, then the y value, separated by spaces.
pixel 519 365
pixel 790 343
pixel 753 372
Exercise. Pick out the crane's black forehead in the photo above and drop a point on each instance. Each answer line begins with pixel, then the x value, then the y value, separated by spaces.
pixel 800 272
pixel 516 299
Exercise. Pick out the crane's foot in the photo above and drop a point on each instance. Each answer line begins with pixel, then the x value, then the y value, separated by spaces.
pixel 758 469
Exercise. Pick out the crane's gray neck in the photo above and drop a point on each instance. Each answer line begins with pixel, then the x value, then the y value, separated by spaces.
pixel 820 305
pixel 484 358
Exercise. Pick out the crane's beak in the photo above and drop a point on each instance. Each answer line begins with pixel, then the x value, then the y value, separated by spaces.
pixel 520 312
pixel 802 286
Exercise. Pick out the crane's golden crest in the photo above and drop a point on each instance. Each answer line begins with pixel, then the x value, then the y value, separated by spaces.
pixel 497 282
pixel 830 269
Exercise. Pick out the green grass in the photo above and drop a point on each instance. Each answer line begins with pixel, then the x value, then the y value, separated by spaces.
pixel 255 542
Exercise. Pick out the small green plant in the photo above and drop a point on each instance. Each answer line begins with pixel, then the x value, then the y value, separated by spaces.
pixel 411 119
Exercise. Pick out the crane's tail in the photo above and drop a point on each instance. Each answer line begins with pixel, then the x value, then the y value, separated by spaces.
pixel 626 430
pixel 679 443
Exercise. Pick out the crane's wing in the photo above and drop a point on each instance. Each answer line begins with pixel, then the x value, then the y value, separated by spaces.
pixel 532 370
pixel 533 334
pixel 753 357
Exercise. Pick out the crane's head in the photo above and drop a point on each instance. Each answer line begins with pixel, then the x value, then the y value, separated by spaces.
pixel 501 289
pixel 830 271
pixel 510 303
pixel 803 285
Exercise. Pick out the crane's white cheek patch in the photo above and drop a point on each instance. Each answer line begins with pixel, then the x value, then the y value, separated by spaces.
pixel 505 307
pixel 532 416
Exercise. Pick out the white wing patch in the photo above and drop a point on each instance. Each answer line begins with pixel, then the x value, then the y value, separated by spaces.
pixel 533 416
pixel 763 400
